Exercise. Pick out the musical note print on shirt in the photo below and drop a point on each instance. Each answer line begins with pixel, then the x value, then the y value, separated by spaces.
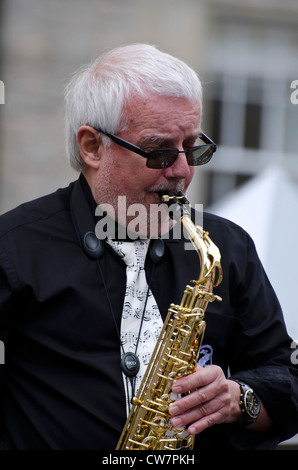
pixel 139 307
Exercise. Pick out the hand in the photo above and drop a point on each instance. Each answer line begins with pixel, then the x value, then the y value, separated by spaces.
pixel 213 399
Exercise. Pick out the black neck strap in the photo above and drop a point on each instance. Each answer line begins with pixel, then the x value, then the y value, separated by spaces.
pixel 84 223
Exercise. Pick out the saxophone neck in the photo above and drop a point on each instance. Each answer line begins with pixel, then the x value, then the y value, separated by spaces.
pixel 208 252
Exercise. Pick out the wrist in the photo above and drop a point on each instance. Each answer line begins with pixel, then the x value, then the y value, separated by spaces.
pixel 249 403
pixel 236 415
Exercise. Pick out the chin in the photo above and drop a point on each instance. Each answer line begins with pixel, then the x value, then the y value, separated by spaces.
pixel 149 222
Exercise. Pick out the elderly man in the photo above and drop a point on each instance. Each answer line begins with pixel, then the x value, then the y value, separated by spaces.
pixel 80 315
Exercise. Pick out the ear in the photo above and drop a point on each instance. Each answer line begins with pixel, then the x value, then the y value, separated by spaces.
pixel 90 145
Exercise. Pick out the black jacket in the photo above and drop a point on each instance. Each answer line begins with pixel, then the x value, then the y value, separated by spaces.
pixel 61 385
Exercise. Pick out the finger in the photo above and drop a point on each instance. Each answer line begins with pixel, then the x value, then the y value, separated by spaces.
pixel 202 401
pixel 207 421
pixel 202 417
pixel 200 377
pixel 194 414
pixel 203 394
pixel 193 399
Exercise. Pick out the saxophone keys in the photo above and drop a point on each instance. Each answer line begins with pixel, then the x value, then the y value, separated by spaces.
pixel 137 401
pixel 159 424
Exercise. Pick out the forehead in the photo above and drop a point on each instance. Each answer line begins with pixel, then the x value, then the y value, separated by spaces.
pixel 161 114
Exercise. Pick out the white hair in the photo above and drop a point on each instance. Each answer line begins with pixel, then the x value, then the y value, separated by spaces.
pixel 97 92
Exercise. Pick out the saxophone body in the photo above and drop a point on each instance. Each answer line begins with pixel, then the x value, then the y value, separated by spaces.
pixel 148 426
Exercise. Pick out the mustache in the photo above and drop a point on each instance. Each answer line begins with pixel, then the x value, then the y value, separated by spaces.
pixel 174 187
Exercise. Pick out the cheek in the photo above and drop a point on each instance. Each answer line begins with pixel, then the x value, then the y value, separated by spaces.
pixel 139 177
pixel 190 177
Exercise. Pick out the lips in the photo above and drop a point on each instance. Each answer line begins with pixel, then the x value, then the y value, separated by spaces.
pixel 161 192
pixel 157 195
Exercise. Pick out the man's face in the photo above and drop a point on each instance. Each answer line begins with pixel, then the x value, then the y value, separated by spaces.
pixel 153 122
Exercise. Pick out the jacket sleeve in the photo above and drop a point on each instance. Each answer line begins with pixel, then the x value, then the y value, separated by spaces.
pixel 6 312
pixel 265 358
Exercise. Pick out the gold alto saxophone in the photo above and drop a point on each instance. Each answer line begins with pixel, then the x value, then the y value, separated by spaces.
pixel 148 426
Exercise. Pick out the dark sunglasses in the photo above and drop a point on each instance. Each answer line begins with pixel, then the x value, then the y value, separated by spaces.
pixel 166 157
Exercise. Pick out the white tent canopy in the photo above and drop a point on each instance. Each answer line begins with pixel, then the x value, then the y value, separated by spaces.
pixel 267 208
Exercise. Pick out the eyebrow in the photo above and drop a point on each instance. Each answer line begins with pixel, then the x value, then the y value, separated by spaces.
pixel 163 141
pixel 152 140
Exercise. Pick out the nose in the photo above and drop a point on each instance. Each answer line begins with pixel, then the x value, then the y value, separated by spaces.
pixel 180 169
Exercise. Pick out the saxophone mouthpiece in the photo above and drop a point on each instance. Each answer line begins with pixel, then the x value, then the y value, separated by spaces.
pixel 170 197
pixel 177 203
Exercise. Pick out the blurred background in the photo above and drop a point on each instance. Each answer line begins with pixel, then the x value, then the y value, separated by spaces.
pixel 246 56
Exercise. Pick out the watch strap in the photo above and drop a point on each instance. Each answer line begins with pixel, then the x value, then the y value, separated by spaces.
pixel 250 415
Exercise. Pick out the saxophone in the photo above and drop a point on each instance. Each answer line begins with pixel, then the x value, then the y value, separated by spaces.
pixel 148 426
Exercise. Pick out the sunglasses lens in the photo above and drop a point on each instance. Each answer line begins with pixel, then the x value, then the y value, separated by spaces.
pixel 161 158
pixel 201 155
pixel 164 158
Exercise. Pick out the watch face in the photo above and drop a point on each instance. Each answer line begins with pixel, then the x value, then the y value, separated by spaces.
pixel 252 404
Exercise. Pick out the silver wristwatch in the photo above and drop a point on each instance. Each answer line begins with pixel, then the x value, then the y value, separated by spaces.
pixel 249 403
